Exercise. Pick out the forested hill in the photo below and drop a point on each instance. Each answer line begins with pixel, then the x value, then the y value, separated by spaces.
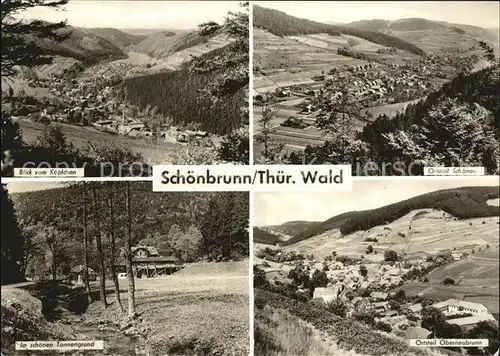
pixel 292 228
pixel 177 95
pixel 462 203
pixel 264 237
pixel 119 38
pixel 281 24
pixel 183 223
pixel 85 45
pixel 165 43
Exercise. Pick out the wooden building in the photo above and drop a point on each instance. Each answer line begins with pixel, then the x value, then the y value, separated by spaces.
pixel 147 262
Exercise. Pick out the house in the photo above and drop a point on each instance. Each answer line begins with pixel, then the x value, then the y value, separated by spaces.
pixel 380 306
pixel 471 321
pixel 147 262
pixel 327 294
pixel 391 313
pixel 415 308
pixel 378 296
pixel 454 306
pixel 77 274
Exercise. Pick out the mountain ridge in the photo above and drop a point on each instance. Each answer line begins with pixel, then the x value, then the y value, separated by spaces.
pixel 462 203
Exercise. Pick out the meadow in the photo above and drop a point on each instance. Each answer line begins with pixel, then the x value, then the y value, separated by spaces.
pixel 202 309
pixel 81 136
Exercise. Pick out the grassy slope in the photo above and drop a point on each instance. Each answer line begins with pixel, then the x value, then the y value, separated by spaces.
pixel 277 332
pixel 347 333
pixel 430 35
pixel 466 202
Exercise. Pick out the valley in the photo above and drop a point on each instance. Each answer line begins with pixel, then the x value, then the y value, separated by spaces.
pixel 385 276
pixel 145 93
pixel 300 63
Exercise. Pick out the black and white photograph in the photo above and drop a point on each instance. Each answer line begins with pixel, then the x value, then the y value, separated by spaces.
pixel 366 271
pixel 141 272
pixel 388 87
pixel 115 87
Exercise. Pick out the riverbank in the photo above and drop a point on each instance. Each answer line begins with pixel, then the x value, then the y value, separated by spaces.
pixel 192 313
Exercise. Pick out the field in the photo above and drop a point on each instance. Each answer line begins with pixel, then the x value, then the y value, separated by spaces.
pixel 440 40
pixel 430 233
pixel 293 60
pixel 81 136
pixel 303 56
pixel 203 307
pixel 390 110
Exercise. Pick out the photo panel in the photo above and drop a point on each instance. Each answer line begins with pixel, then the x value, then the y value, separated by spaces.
pixel 388 266
pixel 114 268
pixel 107 89
pixel 387 87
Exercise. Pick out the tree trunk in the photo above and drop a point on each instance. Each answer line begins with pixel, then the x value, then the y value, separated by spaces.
pixel 130 272
pixel 113 250
pixel 102 278
pixel 54 268
pixel 86 262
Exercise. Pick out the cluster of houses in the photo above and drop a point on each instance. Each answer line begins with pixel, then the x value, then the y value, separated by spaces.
pixel 94 100
pixel 407 317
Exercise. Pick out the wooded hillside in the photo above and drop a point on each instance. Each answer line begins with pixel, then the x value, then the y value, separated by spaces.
pixel 177 95
pixel 282 24
pixel 190 226
pixel 462 203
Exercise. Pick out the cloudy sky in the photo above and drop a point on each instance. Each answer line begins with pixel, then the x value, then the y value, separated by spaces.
pixel 127 14
pixel 477 13
pixel 277 208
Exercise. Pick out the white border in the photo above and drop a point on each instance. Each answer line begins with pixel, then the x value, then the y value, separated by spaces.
pixel 250 82
pixel 250 274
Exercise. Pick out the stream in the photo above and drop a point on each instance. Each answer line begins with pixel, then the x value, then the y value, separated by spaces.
pixel 115 342
pixel 69 310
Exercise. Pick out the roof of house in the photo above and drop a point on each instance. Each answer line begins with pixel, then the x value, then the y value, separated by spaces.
pixel 380 304
pixel 459 303
pixel 152 251
pixel 416 332
pixel 80 269
pixel 380 295
pixel 415 307
pixel 471 319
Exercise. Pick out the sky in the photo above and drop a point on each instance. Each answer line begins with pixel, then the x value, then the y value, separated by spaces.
pixel 478 13
pixel 126 14
pixel 275 208
pixel 20 187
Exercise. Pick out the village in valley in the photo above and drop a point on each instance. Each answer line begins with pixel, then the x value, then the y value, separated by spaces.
pixel 424 275
pixel 368 71
pixel 96 100
pixel 88 96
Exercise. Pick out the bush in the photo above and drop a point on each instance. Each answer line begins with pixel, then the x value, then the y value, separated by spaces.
pixel 390 256
pixel 365 318
pixel 448 281
pixel 337 307
pixel 380 325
